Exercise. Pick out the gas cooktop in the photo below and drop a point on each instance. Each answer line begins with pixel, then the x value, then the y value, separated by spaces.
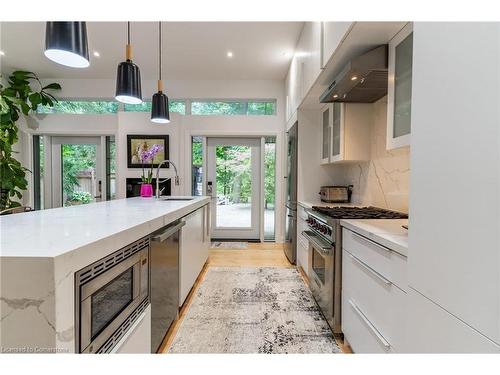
pixel 342 212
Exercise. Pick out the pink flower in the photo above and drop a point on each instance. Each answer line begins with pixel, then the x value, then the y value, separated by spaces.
pixel 149 155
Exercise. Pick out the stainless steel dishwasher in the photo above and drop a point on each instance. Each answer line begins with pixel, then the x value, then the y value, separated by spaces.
pixel 164 258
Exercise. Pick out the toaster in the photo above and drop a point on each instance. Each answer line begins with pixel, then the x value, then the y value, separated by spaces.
pixel 336 194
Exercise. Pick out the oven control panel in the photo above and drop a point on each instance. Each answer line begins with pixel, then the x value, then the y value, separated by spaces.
pixel 319 226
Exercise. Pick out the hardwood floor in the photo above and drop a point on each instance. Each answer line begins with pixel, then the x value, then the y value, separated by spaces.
pixel 265 254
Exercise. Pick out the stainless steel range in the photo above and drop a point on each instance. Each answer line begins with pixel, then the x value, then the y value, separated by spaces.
pixel 325 254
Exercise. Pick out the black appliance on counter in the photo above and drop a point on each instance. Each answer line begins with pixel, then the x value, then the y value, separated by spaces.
pixel 134 187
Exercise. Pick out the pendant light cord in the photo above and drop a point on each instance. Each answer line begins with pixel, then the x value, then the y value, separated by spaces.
pixel 128 32
pixel 159 49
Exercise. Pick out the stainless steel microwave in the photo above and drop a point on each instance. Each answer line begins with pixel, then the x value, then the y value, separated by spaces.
pixel 110 293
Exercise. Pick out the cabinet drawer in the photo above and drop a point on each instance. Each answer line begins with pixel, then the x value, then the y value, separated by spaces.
pixel 359 332
pixel 386 262
pixel 381 302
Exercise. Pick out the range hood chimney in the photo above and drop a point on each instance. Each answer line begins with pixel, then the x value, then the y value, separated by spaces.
pixel 363 79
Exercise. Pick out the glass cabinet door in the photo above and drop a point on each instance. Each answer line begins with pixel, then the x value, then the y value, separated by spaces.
pixel 402 87
pixel 325 150
pixel 336 132
pixel 400 83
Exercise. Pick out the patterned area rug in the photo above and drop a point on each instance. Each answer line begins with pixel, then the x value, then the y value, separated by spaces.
pixel 253 310
pixel 229 245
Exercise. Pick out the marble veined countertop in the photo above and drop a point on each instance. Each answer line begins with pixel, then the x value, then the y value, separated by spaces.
pixel 41 251
pixel 387 232
pixel 54 232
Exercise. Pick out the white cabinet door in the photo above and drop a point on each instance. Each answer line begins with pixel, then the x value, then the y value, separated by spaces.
pixel 337 142
pixel 193 251
pixel 344 132
pixel 333 34
pixel 399 88
pixel 431 329
pixel 326 131
pixel 309 48
pixel 454 243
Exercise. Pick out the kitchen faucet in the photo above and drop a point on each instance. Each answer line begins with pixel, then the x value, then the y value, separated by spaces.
pixel 176 179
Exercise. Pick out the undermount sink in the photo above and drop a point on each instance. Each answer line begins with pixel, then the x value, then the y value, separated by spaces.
pixel 167 198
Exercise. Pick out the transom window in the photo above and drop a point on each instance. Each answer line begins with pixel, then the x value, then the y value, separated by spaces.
pixel 80 107
pixel 202 107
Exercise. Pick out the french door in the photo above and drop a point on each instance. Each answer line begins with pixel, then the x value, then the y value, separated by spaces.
pixel 77 170
pixel 234 183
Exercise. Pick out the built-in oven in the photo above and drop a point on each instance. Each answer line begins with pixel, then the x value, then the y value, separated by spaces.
pixel 322 273
pixel 110 296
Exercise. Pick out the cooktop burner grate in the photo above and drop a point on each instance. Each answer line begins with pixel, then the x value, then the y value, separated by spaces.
pixel 359 213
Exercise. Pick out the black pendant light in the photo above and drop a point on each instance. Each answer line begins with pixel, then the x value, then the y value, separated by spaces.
pixel 159 110
pixel 66 43
pixel 128 78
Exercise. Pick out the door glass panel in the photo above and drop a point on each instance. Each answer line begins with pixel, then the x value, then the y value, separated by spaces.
pixel 318 265
pixel 402 87
pixel 326 134
pixel 336 130
pixel 79 177
pixel 197 166
pixel 110 300
pixel 269 186
pixel 234 186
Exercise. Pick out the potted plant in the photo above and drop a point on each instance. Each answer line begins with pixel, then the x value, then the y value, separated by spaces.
pixel 147 157
pixel 17 98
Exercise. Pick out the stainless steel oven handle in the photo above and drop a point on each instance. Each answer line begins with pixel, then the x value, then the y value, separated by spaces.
pixel 168 232
pixel 363 317
pixel 325 248
pixel 369 269
pixel 371 242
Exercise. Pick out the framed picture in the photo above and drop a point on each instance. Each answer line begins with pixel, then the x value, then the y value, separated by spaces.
pixel 136 144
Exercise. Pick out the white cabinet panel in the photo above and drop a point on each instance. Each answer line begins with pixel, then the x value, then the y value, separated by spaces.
pixel 193 251
pixel 388 263
pixel 359 331
pixel 431 329
pixel 454 243
pixel 333 34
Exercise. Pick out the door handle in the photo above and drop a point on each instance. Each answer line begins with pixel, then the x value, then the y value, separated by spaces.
pixel 99 189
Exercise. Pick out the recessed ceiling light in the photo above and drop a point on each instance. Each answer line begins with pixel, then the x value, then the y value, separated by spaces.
pixel 353 78
pixel 2 53
pixel 335 96
pixel 97 54
pixel 229 54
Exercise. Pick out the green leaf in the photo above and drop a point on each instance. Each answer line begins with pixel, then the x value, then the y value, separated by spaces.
pixel 52 86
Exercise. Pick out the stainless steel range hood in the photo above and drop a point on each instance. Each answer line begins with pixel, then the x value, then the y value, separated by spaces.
pixel 363 80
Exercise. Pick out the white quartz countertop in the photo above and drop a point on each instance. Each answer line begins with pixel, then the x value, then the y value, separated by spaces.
pixel 387 232
pixel 59 231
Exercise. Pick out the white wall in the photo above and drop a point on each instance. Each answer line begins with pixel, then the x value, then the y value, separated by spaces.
pixel 180 129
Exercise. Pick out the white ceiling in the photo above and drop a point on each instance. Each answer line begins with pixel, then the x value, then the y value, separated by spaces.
pixel 191 50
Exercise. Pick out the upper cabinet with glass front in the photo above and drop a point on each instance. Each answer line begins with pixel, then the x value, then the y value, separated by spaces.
pixel 326 134
pixel 346 132
pixel 399 90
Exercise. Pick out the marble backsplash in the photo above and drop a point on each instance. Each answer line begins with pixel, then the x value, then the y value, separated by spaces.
pixel 384 180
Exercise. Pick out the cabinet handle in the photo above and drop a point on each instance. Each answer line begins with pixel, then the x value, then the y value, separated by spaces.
pixel 371 270
pixel 362 238
pixel 363 317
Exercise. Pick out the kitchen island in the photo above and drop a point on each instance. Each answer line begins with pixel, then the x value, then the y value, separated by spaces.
pixel 41 251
